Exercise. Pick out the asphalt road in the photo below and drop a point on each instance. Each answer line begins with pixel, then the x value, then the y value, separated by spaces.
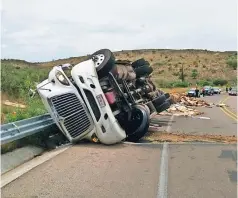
pixel 143 170
pixel 216 121
pixel 194 170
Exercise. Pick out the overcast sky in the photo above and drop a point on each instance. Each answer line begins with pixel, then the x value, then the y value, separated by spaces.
pixel 42 30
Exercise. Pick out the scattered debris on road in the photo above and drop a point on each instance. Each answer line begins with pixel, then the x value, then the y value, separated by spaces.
pixel 181 98
pixel 202 118
pixel 181 137
pixel 222 105
pixel 183 105
pixel 154 128
pixel 181 110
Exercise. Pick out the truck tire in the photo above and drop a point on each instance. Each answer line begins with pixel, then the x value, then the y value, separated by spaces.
pixel 138 63
pixel 163 107
pixel 105 62
pixel 143 71
pixel 147 109
pixel 159 100
pixel 138 126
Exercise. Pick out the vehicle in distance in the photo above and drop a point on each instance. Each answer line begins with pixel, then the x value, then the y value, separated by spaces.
pixel 192 93
pixel 233 91
pixel 217 90
pixel 208 90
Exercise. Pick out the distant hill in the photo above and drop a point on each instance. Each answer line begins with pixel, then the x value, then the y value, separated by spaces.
pixel 166 63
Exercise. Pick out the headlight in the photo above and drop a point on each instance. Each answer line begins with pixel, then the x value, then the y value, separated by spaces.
pixel 60 76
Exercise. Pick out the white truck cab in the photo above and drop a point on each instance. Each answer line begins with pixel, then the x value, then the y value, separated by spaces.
pixel 82 112
pixel 97 99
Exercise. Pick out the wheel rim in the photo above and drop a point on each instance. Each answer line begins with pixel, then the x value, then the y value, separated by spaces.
pixel 100 59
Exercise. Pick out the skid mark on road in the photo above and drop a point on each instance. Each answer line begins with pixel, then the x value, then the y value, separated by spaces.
pixel 163 179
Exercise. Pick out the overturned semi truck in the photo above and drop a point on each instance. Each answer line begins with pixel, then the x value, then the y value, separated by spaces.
pixel 102 98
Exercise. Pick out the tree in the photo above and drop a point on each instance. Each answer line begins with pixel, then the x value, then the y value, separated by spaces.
pixel 182 76
pixel 194 74
pixel 232 61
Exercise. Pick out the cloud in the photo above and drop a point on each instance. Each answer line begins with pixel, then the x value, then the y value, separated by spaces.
pixel 43 30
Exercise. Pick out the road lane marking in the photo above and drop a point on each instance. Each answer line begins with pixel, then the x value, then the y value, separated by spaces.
pixel 227 111
pixel 11 175
pixel 163 178
pixel 232 113
pixel 229 115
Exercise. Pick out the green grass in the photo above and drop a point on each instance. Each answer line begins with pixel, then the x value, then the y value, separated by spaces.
pixel 15 83
pixel 34 107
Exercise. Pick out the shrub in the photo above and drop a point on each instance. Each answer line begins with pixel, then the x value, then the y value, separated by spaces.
pixel 220 82
pixel 180 84
pixel 204 83
pixel 232 62
pixel 194 74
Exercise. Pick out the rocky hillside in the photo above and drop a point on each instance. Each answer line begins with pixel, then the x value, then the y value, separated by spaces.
pixel 197 64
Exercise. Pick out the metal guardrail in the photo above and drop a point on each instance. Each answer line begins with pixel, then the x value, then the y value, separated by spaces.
pixel 27 127
pixel 23 128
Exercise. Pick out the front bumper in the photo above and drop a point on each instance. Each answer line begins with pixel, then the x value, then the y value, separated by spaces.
pixel 233 94
pixel 191 95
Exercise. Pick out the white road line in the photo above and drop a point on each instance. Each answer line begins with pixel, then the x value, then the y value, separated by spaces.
pixel 9 176
pixel 163 178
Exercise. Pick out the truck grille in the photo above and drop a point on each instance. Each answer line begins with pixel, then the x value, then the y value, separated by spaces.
pixel 68 106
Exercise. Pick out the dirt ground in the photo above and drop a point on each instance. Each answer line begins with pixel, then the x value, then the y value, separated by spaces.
pixel 178 137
